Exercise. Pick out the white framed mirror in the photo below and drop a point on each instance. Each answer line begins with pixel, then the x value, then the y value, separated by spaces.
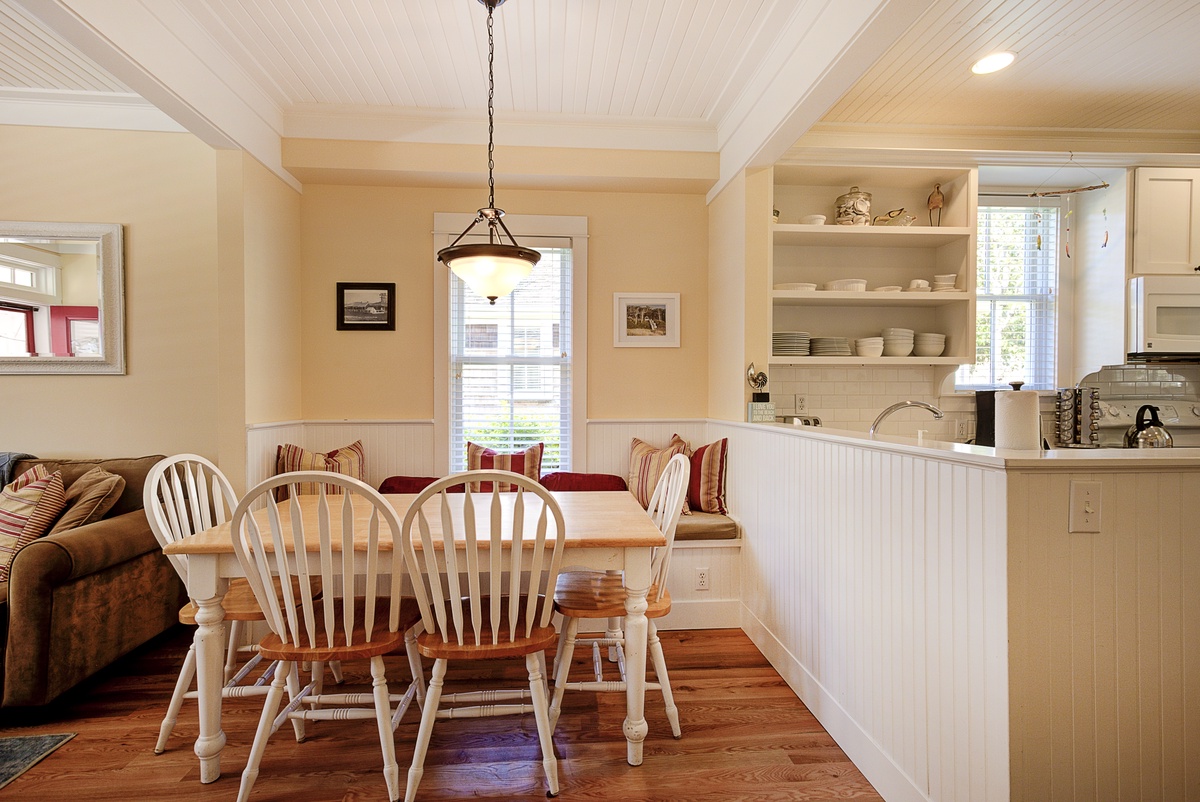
pixel 62 298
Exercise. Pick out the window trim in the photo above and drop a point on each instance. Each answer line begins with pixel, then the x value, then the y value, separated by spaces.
pixel 527 228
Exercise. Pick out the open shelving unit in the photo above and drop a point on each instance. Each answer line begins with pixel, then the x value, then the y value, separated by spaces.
pixel 883 255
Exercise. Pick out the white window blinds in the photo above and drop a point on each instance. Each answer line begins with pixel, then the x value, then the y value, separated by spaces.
pixel 1017 285
pixel 510 364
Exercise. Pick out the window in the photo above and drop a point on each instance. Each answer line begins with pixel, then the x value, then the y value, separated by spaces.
pixel 517 393
pixel 16 330
pixel 1016 285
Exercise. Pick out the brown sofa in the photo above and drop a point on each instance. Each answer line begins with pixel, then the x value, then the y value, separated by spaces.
pixel 78 600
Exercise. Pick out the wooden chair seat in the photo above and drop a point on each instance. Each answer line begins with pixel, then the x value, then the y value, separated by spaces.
pixel 433 644
pixel 272 647
pixel 239 605
pixel 598 594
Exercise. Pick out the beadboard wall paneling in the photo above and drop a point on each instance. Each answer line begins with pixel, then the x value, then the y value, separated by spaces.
pixel 392 447
pixel 608 440
pixel 876 583
pixel 1105 630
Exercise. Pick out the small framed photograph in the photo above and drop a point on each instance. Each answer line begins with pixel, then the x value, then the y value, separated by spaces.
pixel 363 306
pixel 646 320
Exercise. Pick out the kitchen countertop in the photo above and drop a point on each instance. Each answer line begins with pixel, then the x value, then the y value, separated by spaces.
pixel 1074 459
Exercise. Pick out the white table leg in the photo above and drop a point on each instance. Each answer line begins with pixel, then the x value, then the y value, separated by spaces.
pixel 208 590
pixel 637 584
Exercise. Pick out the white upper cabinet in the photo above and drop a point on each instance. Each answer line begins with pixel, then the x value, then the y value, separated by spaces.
pixel 1166 220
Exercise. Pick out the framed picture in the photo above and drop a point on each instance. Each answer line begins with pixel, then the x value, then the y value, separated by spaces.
pixel 362 306
pixel 646 320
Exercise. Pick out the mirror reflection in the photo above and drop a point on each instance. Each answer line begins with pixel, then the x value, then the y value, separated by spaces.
pixel 61 298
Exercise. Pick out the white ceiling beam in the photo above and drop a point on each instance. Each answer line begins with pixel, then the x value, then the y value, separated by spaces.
pixel 157 50
pixel 825 47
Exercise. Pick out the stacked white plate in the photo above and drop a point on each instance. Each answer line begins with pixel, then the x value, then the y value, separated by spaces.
pixel 846 285
pixel 869 346
pixel 944 282
pixel 789 343
pixel 796 285
pixel 897 342
pixel 929 344
pixel 830 346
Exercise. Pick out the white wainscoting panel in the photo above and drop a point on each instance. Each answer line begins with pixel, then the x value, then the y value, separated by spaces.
pixel 608 441
pixel 392 448
pixel 875 582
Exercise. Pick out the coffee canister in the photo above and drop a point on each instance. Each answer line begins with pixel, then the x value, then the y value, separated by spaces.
pixel 854 208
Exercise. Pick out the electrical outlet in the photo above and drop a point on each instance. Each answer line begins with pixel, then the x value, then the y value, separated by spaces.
pixel 960 429
pixel 1084 513
pixel 801 403
pixel 702 579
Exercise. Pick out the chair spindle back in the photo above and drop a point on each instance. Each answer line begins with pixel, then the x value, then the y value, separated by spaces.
pixel 185 494
pixel 666 505
pixel 462 594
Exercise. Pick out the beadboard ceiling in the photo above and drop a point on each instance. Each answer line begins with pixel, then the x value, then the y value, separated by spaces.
pixel 744 78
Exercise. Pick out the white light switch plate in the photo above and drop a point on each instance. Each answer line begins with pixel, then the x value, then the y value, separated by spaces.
pixel 1084 515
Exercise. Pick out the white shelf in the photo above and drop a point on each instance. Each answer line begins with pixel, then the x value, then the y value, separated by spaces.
pixel 868 298
pixel 913 236
pixel 895 361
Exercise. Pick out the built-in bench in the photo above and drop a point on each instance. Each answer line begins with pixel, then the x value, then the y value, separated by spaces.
pixel 706 526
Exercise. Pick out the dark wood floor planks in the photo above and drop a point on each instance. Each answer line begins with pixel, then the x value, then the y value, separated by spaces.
pixel 745 737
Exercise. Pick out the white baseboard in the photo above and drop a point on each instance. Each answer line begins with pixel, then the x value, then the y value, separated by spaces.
pixel 891 783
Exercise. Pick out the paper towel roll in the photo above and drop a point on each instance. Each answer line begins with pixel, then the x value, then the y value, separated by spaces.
pixel 1017 423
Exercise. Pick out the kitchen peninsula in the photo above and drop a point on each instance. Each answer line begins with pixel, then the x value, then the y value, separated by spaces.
pixel 932 606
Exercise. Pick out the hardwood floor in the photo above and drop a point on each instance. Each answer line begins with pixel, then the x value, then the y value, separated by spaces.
pixel 745 737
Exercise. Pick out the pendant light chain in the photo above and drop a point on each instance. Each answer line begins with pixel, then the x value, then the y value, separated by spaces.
pixel 491 112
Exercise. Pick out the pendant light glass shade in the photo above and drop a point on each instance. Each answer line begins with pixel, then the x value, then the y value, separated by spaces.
pixel 491 269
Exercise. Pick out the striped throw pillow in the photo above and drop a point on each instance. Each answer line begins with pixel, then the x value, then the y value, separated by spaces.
pixel 706 482
pixel 646 464
pixel 348 460
pixel 28 506
pixel 527 463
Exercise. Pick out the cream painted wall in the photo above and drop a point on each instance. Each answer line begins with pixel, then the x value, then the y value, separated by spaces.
pixel 638 242
pixel 80 286
pixel 1099 279
pixel 160 187
pixel 727 292
pixel 273 296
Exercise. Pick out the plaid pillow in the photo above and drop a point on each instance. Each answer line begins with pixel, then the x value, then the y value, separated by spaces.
pixel 27 508
pixel 527 463
pixel 706 482
pixel 646 464
pixel 348 460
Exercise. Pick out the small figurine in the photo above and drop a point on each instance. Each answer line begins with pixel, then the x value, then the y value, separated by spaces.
pixel 936 201
pixel 887 219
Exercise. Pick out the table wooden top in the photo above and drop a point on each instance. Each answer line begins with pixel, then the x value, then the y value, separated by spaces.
pixel 593 520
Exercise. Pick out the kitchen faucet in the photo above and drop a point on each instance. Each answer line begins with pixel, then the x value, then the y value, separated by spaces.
pixel 937 413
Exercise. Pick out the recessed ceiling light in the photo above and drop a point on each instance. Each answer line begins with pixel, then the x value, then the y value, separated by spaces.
pixel 993 62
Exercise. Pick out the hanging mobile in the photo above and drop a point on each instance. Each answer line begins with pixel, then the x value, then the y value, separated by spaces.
pixel 1067 220
pixel 1105 243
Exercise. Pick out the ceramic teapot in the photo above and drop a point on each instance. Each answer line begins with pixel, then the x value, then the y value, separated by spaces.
pixel 1148 434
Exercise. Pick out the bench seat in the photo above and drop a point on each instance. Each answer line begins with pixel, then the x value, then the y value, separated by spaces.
pixel 706 526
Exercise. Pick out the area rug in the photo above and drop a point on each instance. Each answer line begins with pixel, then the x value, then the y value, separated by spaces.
pixel 20 752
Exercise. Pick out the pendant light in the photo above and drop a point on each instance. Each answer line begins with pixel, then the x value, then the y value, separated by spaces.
pixel 492 269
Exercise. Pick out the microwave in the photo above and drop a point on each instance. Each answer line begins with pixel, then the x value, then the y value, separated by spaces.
pixel 1164 316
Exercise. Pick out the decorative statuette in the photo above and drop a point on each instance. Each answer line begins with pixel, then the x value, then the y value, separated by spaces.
pixel 896 217
pixel 937 199
pixel 854 208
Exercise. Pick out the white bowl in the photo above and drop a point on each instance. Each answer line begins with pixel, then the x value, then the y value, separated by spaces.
pixel 945 278
pixel 889 288
pixel 894 332
pixel 869 350
pixel 846 285
pixel 927 349
pixel 796 285
pixel 896 349
pixel 812 220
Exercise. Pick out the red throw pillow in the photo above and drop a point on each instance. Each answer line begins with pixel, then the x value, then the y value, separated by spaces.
pixel 706 482
pixel 568 481
pixel 646 464
pixel 348 460
pixel 527 463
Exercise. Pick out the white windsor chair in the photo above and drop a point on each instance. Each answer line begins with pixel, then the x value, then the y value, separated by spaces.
pixel 185 494
pixel 486 596
pixel 596 594
pixel 336 543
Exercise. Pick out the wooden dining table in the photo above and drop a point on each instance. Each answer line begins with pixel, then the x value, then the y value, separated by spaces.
pixel 604 531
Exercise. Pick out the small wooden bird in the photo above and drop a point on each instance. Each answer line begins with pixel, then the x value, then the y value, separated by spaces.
pixel 936 201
